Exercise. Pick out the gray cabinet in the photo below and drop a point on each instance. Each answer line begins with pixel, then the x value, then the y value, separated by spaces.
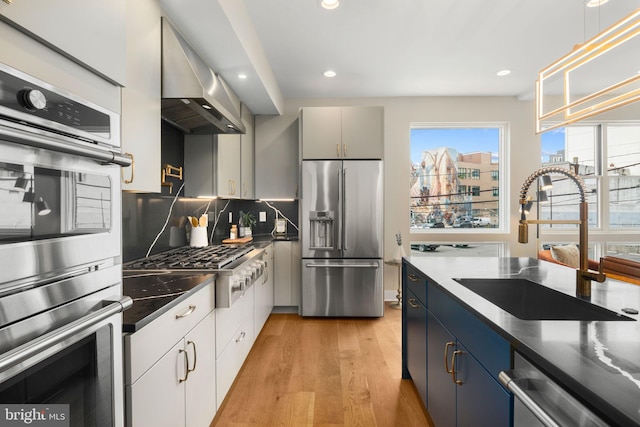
pixel 141 97
pixel 220 165
pixel 277 165
pixel 287 258
pixel 89 32
pixel 342 132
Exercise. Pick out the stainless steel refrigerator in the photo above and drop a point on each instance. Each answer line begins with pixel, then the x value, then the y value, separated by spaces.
pixel 342 211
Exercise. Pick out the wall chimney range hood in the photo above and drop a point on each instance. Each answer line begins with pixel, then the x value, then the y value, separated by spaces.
pixel 194 98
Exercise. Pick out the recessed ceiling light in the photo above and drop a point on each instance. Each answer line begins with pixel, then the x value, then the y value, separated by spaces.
pixel 329 73
pixel 596 3
pixel 206 107
pixel 503 73
pixel 242 76
pixel 330 4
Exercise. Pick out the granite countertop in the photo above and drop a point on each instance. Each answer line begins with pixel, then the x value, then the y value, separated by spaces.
pixel 598 360
pixel 155 293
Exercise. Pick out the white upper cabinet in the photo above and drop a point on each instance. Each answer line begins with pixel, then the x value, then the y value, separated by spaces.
pixel 141 97
pixel 90 32
pixel 342 132
pixel 277 157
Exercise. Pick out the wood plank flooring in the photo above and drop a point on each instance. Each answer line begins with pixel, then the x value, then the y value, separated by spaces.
pixel 324 372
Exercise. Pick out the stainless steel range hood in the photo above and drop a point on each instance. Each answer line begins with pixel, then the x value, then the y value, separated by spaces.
pixel 194 98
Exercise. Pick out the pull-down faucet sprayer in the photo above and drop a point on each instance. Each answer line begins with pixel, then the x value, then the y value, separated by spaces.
pixel 584 276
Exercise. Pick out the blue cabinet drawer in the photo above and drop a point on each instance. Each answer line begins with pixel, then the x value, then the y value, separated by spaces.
pixel 416 283
pixel 493 351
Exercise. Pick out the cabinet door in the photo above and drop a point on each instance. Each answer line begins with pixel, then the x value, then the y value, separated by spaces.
pixel 282 282
pixel 157 398
pixel 321 133
pixel 141 97
pixel 441 391
pixel 90 32
pixel 362 132
pixel 479 397
pixel 199 166
pixel 416 330
pixel 264 292
pixel 200 392
pixel 247 155
pixel 277 164
pixel 228 166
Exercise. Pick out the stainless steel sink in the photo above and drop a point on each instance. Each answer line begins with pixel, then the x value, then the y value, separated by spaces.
pixel 527 300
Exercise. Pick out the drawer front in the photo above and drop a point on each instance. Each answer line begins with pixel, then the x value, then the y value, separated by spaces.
pixel 493 351
pixel 416 283
pixel 230 361
pixel 229 320
pixel 144 347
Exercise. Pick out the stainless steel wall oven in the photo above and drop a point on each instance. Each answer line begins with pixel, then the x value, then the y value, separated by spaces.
pixel 60 252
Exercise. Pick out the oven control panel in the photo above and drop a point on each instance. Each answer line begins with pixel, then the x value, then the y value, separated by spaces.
pixel 24 98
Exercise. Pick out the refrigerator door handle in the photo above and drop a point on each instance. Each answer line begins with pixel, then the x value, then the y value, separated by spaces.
pixel 341 216
pixel 362 265
pixel 344 206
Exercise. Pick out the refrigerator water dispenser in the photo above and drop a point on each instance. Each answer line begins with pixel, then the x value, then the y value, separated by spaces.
pixel 321 227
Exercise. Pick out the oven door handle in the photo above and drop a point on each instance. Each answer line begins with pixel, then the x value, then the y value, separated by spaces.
pixel 32 348
pixel 40 140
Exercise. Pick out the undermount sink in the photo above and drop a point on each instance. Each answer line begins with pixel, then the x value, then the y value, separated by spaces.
pixel 528 300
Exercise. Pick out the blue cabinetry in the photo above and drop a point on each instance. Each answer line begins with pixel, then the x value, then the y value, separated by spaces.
pixel 463 357
pixel 414 335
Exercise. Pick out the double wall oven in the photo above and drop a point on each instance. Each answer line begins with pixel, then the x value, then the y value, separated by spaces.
pixel 60 255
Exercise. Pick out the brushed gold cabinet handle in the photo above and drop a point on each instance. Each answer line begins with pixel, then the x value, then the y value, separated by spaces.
pixel 412 303
pixel 133 164
pixel 338 150
pixel 413 277
pixel 344 150
pixel 453 366
pixel 446 354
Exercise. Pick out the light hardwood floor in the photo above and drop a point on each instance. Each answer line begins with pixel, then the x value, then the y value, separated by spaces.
pixel 324 372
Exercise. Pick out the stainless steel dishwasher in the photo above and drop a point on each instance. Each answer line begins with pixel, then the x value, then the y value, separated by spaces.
pixel 539 401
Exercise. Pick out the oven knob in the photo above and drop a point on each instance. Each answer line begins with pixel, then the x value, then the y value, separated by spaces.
pixel 33 99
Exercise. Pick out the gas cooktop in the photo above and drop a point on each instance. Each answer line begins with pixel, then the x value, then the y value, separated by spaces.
pixel 188 258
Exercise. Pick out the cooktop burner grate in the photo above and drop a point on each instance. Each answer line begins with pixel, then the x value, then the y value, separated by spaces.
pixel 186 258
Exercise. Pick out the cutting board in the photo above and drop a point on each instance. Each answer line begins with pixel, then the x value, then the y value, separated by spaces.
pixel 245 239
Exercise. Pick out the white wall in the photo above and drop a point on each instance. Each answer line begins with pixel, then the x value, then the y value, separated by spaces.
pixel 523 154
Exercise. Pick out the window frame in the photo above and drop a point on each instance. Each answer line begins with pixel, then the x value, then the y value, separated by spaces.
pixel 503 171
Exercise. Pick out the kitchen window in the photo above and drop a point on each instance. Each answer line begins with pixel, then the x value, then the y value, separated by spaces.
pixel 455 172
pixel 607 157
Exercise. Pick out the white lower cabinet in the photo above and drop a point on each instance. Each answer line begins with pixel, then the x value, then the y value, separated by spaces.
pixel 235 335
pixel 170 373
pixel 288 273
pixel 264 291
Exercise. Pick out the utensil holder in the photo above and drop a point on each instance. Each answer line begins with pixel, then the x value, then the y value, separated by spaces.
pixel 198 237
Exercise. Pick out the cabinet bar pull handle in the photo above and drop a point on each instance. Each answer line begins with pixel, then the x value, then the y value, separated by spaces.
pixel 190 310
pixel 338 150
pixel 413 277
pixel 241 337
pixel 446 356
pixel 186 365
pixel 453 366
pixel 412 303
pixel 133 165
pixel 195 356
pixel 344 150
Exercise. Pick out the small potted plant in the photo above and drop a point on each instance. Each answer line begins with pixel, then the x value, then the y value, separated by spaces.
pixel 247 220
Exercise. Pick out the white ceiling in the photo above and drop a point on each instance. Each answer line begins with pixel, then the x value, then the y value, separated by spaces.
pixel 383 48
